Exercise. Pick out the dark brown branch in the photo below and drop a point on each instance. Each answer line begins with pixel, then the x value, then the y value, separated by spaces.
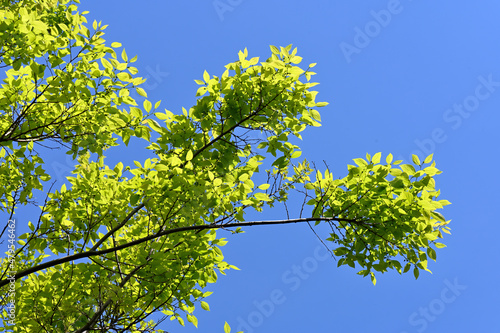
pixel 92 253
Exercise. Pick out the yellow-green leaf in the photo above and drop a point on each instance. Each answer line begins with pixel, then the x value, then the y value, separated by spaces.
pixel 141 92
pixel 261 196
pixel 124 55
pixel 205 306
pixel 147 105
pixel 415 159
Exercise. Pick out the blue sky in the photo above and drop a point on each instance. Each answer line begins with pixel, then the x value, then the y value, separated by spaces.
pixel 401 77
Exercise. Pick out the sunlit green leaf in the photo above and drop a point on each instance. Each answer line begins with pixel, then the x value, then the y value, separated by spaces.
pixel 415 159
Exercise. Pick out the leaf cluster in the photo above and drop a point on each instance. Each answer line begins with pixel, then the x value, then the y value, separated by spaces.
pixel 118 243
pixel 389 212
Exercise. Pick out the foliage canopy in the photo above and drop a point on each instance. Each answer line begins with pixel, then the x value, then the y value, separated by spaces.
pixel 119 243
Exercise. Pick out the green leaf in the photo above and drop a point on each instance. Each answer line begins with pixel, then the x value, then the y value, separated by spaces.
pixel 154 125
pixel 280 162
pixel 141 92
pixel 261 196
pixel 388 159
pixel 147 105
pixel 416 272
pixel 428 159
pixel 340 251
pixel 124 76
pixel 201 91
pixel 438 216
pixel 296 60
pixel 124 56
pixel 415 159
pixel 444 202
pixel 315 115
pixel 161 167
pixel 396 172
pixel 431 253
pixel 360 162
pixel 136 112
pixel 227 328
pixel 409 169
pixel 309 186
pixel 106 64
pixel 205 306
pixel 439 245
pixel 192 319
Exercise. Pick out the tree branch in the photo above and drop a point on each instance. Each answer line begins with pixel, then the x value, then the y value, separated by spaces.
pixel 92 253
